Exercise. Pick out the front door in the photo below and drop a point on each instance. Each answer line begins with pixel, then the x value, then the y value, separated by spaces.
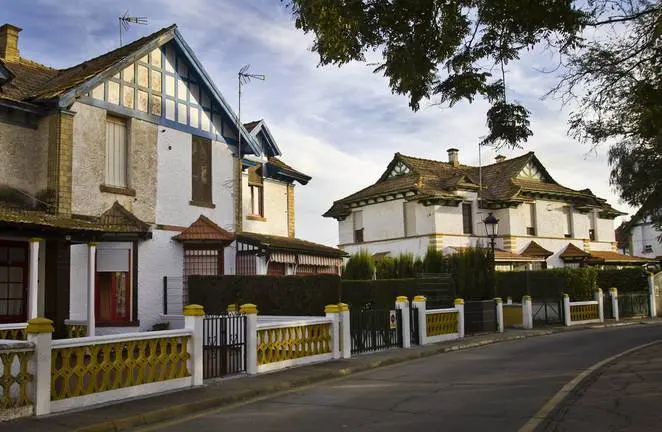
pixel 14 263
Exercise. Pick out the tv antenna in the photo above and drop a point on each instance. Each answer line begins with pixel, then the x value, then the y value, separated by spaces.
pixel 125 21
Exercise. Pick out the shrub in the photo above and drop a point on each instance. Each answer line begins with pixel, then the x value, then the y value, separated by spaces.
pixel 404 266
pixel 578 283
pixel 633 279
pixel 472 270
pixel 382 293
pixel 360 266
pixel 432 263
pixel 385 268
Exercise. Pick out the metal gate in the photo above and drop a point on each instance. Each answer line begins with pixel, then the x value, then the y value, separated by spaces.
pixel 224 345
pixel 480 316
pixel 547 311
pixel 633 305
pixel 373 330
pixel 413 324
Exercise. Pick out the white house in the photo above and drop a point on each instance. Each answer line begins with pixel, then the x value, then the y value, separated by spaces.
pixel 641 237
pixel 419 203
pixel 120 171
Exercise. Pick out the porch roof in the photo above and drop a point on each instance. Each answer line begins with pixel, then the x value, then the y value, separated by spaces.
pixel 535 250
pixel 572 252
pixel 272 242
pixel 204 230
pixel 610 257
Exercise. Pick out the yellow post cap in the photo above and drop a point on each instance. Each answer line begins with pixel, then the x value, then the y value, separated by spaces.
pixel 599 290
pixel 613 289
pixel 40 325
pixel 498 300
pixel 459 301
pixel 232 308
pixel 526 297
pixel 565 295
pixel 401 299
pixel 331 308
pixel 344 307
pixel 194 310
pixel 419 298
pixel 248 309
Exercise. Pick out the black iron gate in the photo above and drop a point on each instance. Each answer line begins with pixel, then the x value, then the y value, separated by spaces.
pixel 374 330
pixel 633 305
pixel 480 316
pixel 547 311
pixel 224 345
pixel 413 323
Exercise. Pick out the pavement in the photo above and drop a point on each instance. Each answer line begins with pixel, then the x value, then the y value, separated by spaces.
pixel 160 409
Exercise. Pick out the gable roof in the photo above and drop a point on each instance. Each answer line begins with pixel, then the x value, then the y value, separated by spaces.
pixel 259 130
pixel 119 219
pixel 204 230
pixel 280 168
pixel 432 181
pixel 573 252
pixel 535 250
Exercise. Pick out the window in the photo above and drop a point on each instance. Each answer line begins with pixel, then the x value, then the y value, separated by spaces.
pixel 13 281
pixel 205 262
pixel 648 249
pixel 531 219
pixel 591 234
pixel 568 221
pixel 113 285
pixel 358 226
pixel 467 219
pixel 257 200
pixel 201 170
pixel 116 152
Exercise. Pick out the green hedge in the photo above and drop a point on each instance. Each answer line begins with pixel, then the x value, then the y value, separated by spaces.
pixel 626 280
pixel 382 293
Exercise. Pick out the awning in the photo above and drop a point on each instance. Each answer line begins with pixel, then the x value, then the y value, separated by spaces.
pixel 321 261
pixel 283 257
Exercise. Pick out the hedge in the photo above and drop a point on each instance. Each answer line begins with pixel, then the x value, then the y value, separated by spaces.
pixel 626 280
pixel 378 294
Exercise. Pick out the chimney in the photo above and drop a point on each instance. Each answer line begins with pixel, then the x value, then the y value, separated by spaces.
pixel 500 158
pixel 453 157
pixel 9 43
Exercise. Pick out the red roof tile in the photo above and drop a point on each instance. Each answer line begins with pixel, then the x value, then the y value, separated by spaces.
pixel 204 230
pixel 535 250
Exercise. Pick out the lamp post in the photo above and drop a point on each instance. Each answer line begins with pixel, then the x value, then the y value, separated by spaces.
pixel 492 231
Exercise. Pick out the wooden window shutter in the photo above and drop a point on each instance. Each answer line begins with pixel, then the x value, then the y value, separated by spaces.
pixel 201 170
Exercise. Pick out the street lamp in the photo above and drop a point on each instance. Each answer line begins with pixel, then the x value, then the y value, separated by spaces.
pixel 492 231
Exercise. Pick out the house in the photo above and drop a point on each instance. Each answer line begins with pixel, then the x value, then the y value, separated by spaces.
pixel 418 203
pixel 120 171
pixel 639 236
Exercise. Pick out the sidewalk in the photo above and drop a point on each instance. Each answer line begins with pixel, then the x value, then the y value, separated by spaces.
pixel 139 412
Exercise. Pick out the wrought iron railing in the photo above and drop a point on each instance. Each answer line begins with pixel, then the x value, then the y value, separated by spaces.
pixel 224 345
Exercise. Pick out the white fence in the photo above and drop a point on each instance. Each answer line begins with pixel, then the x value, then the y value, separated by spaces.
pixel 438 325
pixel 584 312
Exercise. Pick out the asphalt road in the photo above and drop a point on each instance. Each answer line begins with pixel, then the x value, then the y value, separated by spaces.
pixel 495 388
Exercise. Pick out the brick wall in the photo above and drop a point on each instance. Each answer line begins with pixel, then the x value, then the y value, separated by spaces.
pixel 290 210
pixel 60 147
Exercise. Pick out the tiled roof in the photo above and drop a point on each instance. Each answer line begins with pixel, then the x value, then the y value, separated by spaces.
pixel 615 257
pixel 289 244
pixel 282 165
pixel 535 250
pixel 118 219
pixel 573 252
pixel 434 179
pixel 204 230
pixel 29 78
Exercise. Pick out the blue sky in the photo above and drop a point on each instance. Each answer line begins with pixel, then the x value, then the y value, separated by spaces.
pixel 340 125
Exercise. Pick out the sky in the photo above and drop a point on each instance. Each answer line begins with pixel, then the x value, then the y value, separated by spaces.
pixel 341 126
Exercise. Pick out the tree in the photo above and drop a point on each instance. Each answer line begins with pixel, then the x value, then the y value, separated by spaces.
pixel 360 266
pixel 609 54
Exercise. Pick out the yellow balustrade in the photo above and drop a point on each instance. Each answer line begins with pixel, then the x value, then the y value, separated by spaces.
pixel 76 331
pixel 289 343
pixel 441 323
pixel 87 369
pixel 584 312
pixel 13 334
pixel 11 381
pixel 512 315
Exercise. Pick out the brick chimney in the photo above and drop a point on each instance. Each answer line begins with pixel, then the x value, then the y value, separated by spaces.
pixel 453 158
pixel 9 43
pixel 500 158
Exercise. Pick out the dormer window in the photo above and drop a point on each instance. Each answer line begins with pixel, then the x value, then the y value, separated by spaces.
pixel 398 170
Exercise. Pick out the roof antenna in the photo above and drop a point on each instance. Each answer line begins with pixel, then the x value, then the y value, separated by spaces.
pixel 126 20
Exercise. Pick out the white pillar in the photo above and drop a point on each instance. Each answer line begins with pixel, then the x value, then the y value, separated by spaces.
pixel 499 314
pixel 250 310
pixel 91 287
pixel 193 320
pixel 459 306
pixel 402 303
pixel 419 304
pixel 651 296
pixel 566 309
pixel 613 293
pixel 33 279
pixel 40 333
pixel 527 312
pixel 601 305
pixel 332 311
pixel 345 331
pixel 509 300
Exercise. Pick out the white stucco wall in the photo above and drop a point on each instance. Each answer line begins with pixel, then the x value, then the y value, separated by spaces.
pixel 346 230
pixel 174 182
pixel 275 208
pixel 605 230
pixel 425 219
pixel 415 245
pixel 383 220
pixel 642 235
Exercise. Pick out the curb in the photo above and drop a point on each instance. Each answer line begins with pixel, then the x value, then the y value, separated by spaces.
pixel 169 413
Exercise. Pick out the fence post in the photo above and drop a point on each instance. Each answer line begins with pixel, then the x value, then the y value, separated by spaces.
pixel 566 309
pixel 509 300
pixel 651 296
pixel 419 303
pixel 332 312
pixel 40 333
pixel 345 331
pixel 193 320
pixel 459 306
pixel 601 304
pixel 250 310
pixel 499 314
pixel 402 303
pixel 613 293
pixel 527 313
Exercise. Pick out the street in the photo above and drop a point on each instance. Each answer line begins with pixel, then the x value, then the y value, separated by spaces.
pixel 496 388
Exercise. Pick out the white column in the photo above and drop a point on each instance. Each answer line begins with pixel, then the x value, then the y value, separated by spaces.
pixel 459 306
pixel 345 331
pixel 601 305
pixel 419 303
pixel 613 293
pixel 40 333
pixel 499 314
pixel 566 309
pixel 402 303
pixel 250 310
pixel 651 296
pixel 509 300
pixel 193 320
pixel 527 312
pixel 91 288
pixel 33 279
pixel 333 312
